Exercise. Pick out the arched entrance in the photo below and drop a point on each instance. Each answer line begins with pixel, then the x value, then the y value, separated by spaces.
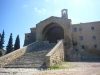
pixel 52 33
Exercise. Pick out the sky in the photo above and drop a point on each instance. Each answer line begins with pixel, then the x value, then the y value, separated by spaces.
pixel 18 16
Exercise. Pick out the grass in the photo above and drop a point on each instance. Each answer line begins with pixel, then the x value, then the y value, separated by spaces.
pixel 63 65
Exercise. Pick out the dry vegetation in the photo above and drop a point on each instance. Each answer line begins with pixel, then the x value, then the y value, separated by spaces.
pixel 63 65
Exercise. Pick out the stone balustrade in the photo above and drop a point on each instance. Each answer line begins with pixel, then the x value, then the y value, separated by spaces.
pixel 6 59
pixel 56 55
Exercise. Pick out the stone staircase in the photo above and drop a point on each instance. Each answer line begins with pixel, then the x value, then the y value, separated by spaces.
pixel 34 58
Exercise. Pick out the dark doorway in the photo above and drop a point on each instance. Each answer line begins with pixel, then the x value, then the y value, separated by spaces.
pixel 52 33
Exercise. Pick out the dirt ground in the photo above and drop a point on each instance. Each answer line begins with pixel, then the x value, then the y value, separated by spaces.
pixel 82 68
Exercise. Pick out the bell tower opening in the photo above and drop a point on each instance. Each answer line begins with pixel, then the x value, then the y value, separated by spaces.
pixel 64 13
pixel 52 33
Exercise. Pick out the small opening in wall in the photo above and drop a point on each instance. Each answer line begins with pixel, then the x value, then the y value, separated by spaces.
pixel 64 12
pixel 75 29
pixel 81 38
pixel 92 28
pixel 80 29
pixel 82 47
pixel 66 55
pixel 94 37
pixel 95 46
pixel 76 49
pixel 28 36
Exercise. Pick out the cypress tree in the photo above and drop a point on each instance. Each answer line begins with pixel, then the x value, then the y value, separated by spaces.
pixel 17 43
pixel 0 37
pixel 2 40
pixel 9 47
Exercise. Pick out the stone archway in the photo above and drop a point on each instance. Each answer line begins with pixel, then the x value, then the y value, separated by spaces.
pixel 45 27
pixel 52 33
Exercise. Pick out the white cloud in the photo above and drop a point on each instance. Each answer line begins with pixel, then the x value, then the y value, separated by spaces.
pixel 25 5
pixel 39 10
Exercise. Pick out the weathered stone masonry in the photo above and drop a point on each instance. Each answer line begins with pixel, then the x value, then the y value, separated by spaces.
pixel 53 29
pixel 72 37
pixel 56 55
pixel 62 25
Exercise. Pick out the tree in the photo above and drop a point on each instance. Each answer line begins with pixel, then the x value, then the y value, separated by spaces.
pixel 0 37
pixel 2 40
pixel 17 43
pixel 9 47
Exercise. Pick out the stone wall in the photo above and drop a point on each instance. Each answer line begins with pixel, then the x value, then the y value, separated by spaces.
pixel 6 59
pixel 87 33
pixel 30 37
pixel 56 55
pixel 64 23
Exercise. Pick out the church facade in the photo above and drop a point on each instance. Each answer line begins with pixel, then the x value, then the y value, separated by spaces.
pixel 76 36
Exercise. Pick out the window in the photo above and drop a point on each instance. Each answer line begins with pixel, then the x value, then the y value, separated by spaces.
pixel 94 37
pixel 81 38
pixel 28 36
pixel 95 46
pixel 75 29
pixel 80 29
pixel 92 28
pixel 82 47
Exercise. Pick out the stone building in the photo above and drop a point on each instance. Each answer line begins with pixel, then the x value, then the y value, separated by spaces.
pixel 86 35
pixel 76 36
pixel 40 44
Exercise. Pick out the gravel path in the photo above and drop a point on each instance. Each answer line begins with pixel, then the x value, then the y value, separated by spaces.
pixel 82 68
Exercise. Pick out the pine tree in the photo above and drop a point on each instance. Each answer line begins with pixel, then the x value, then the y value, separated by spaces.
pixel 9 47
pixel 2 40
pixel 17 43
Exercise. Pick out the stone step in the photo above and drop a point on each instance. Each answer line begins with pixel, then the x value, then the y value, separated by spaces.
pixel 26 63
pixel 35 58
pixel 25 66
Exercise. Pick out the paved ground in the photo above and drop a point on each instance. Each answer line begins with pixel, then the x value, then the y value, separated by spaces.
pixel 82 68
